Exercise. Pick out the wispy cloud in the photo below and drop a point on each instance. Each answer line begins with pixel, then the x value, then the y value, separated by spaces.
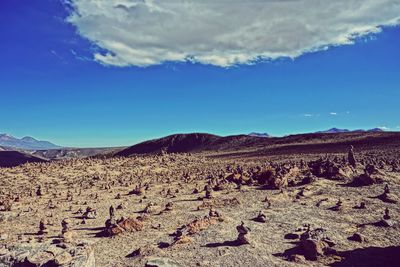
pixel 310 115
pixel 223 32
pixel 333 113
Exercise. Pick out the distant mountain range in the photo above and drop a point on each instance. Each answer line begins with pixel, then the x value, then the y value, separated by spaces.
pixel 336 130
pixel 8 142
pixel 259 134
pixel 212 145
pixel 27 142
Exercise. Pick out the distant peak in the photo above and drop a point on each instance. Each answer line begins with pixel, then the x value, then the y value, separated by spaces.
pixel 254 134
pixel 6 136
pixel 26 142
pixel 28 139
pixel 376 130
pixel 337 130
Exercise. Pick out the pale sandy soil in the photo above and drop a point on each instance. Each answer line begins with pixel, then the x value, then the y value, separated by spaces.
pixel 107 178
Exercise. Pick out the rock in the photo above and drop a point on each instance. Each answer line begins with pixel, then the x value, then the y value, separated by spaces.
pixel 297 258
pixel 63 258
pixel 40 258
pixel 146 251
pixel 357 238
pixel 161 262
pixel 261 217
pixel 90 213
pixel 313 248
pixel 131 225
pixel 314 244
pixel 184 239
pixel 151 208
pixel 69 237
pixel 48 254
pixel 4 251
pixel 123 225
pixel 3 236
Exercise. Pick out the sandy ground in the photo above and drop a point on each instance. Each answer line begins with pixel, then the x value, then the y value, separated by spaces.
pixel 96 183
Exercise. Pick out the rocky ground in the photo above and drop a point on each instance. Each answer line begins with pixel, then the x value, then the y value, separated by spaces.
pixel 202 210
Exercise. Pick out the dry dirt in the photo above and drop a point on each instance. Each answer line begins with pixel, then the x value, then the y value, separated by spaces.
pixel 298 198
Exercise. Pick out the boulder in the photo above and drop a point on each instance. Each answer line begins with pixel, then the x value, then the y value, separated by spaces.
pixel 48 254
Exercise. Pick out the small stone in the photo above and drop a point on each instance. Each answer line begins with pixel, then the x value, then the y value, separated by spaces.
pixel 40 258
pixel 357 238
pixel 262 218
pixel 63 258
pixel 297 258
pixel 161 262
pixel 3 236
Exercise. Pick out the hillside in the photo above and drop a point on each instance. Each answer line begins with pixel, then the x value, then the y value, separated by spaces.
pixel 256 146
pixel 172 144
pixel 15 158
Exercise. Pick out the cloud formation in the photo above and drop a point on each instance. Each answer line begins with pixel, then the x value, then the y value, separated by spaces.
pixel 223 32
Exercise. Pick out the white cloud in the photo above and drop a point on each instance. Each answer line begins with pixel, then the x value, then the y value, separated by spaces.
pixel 333 113
pixel 309 115
pixel 224 32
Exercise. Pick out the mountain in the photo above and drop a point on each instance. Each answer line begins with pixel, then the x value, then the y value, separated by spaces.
pixel 252 146
pixel 15 158
pixel 259 134
pixel 375 130
pixel 337 130
pixel 27 142
pixel 172 144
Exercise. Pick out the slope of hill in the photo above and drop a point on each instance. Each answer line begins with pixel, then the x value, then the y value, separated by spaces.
pixel 25 143
pixel 255 146
pixel 68 153
pixel 172 144
pixel 15 158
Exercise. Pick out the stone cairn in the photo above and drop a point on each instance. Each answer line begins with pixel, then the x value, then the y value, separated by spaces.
pixel 43 227
pixel 351 158
pixel 387 196
pixel 243 232
pixel 386 219
pixel 208 190
pixel 261 217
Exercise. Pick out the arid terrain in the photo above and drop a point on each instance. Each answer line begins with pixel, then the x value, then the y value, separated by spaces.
pixel 205 200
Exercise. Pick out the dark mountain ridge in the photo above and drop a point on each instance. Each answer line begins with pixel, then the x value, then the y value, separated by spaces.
pixel 198 142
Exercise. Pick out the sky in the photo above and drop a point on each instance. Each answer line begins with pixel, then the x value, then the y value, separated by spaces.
pixel 94 73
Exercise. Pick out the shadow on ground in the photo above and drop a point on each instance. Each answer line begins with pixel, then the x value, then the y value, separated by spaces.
pixel 370 257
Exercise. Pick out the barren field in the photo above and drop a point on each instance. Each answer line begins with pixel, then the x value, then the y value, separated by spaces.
pixel 204 209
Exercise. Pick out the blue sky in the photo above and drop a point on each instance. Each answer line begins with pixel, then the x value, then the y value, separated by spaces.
pixel 53 88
